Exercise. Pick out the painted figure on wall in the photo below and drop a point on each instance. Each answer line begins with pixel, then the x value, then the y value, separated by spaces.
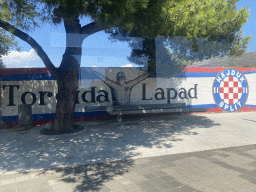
pixel 121 88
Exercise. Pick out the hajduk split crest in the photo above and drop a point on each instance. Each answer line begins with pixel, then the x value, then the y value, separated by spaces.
pixel 230 90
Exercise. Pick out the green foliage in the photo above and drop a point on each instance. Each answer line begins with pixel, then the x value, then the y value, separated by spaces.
pixel 200 22
pixel 20 13
pixel 240 44
pixel 107 13
pixel 1 64
pixel 156 54
pixel 168 64
pixel 194 30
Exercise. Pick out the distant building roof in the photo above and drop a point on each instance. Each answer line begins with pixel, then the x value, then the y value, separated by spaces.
pixel 247 59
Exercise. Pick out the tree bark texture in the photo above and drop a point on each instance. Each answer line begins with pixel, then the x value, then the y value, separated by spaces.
pixel 66 97
pixel 67 77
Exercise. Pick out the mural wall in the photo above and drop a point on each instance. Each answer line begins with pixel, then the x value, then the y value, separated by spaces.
pixel 220 89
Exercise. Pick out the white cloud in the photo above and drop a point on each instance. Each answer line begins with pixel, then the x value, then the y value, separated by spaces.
pixel 23 59
pixel 127 65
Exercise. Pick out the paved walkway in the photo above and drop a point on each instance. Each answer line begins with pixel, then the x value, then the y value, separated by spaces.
pixel 202 152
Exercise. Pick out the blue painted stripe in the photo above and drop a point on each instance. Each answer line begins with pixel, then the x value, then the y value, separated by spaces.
pixel 45 76
pixel 211 106
pixel 195 74
pixel 27 77
pixel 248 72
pixel 203 106
pixel 52 116
pixel 249 105
pixel 10 118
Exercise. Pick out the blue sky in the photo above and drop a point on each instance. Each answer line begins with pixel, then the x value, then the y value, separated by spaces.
pixel 98 50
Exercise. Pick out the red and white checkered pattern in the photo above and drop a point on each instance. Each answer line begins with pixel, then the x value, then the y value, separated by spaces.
pixel 230 90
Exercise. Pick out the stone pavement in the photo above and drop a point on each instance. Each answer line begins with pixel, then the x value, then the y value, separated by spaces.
pixel 200 152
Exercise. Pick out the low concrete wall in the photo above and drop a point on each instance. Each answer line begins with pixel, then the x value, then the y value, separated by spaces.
pixel 220 89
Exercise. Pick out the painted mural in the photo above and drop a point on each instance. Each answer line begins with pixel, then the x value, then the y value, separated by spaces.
pixel 220 89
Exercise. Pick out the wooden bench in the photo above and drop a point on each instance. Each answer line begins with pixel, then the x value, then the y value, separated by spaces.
pixel 121 110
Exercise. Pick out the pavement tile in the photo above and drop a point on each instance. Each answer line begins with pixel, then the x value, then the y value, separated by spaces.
pixel 222 186
pixel 200 186
pixel 247 177
pixel 220 170
pixel 125 181
pixel 238 158
pixel 48 189
pixel 246 187
pixel 149 176
pixel 239 189
pixel 150 189
pixel 252 173
pixel 199 172
pixel 163 186
pixel 253 164
pixel 193 177
pixel 132 188
pixel 231 167
pixel 189 161
pixel 99 189
pixel 153 162
pixel 170 158
pixel 223 155
pixel 210 181
pixel 143 183
pixel 246 148
pixel 134 177
pixel 243 166
pixel 119 190
pixel 247 155
pixel 174 183
pixel 147 186
pixel 251 152
pixel 180 169
pixel 142 161
pixel 236 181
pixel 184 180
pixel 164 164
pixel 142 171
pixel 184 188
pixel 159 173
pixel 167 178
pixel 113 185
pixel 208 189
pixel 156 181
pixel 203 154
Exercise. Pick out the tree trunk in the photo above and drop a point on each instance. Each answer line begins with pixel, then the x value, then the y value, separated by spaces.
pixel 67 77
pixel 66 97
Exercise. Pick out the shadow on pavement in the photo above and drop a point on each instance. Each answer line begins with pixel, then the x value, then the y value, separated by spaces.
pixel 100 142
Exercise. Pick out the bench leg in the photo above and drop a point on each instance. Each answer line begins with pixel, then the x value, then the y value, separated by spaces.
pixel 120 119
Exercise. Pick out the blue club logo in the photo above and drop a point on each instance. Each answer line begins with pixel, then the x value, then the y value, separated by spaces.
pixel 230 90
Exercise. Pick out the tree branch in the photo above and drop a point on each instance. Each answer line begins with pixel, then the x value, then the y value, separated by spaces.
pixel 27 38
pixel 90 29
